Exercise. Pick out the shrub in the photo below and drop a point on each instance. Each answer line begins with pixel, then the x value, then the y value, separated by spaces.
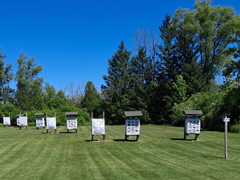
pixel 235 129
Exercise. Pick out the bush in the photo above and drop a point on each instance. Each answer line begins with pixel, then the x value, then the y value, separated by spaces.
pixel 235 129
pixel 209 102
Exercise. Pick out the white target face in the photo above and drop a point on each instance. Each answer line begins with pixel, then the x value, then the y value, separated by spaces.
pixel 40 122
pixel 17 121
pixel 192 126
pixel 98 126
pixel 22 121
pixel 51 123
pixel 6 121
pixel 132 127
pixel 71 123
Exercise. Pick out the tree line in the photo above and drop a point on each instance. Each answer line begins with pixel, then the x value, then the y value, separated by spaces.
pixel 195 46
pixel 166 74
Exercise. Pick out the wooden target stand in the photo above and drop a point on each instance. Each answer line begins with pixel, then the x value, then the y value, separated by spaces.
pixel 10 121
pixel 132 114
pixel 56 124
pixel 22 115
pixel 70 115
pixel 97 133
pixel 192 114
pixel 39 115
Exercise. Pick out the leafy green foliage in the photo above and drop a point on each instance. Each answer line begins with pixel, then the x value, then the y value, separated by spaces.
pixel 29 85
pixel 6 93
pixel 209 102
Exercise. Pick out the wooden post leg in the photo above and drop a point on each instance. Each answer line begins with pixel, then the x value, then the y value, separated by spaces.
pixel 76 130
pixel 98 137
pixel 137 137
pixel 125 137
pixel 92 137
pixel 55 131
pixel 104 137
pixel 47 130
pixel 196 136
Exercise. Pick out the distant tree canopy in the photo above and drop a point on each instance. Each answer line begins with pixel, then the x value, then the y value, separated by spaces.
pixel 91 99
pixel 195 47
pixel 164 75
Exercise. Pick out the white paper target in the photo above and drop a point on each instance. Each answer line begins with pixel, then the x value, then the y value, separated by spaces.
pixel 22 121
pixel 40 122
pixel 6 121
pixel 71 123
pixel 192 126
pixel 51 123
pixel 132 127
pixel 98 126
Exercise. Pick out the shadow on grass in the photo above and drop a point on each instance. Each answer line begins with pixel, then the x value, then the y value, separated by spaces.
pixel 68 132
pixel 125 140
pixel 49 133
pixel 96 141
pixel 182 139
pixel 213 157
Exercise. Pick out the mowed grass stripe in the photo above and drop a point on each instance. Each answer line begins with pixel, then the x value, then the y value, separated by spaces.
pixel 159 154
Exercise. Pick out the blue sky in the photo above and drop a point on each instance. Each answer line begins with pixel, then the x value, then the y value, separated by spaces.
pixel 73 39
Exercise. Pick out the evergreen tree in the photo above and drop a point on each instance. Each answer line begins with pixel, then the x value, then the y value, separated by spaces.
pixel 187 48
pixel 168 68
pixel 117 84
pixel 6 93
pixel 141 77
pixel 29 85
pixel 91 99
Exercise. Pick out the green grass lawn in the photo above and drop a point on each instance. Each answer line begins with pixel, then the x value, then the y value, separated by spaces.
pixel 160 153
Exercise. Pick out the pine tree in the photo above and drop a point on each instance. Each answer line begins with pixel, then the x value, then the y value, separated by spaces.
pixel 141 77
pixel 91 99
pixel 187 48
pixel 117 84
pixel 168 68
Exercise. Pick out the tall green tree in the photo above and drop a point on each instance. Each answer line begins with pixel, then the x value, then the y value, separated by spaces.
pixel 6 76
pixel 141 72
pixel 187 48
pixel 91 99
pixel 168 68
pixel 117 84
pixel 29 85
pixel 216 33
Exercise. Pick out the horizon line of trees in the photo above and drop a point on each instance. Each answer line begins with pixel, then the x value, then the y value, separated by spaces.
pixel 161 79
pixel 169 73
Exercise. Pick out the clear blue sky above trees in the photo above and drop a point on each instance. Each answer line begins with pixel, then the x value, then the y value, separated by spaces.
pixel 73 39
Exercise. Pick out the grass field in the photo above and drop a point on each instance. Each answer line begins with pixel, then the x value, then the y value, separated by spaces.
pixel 160 153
